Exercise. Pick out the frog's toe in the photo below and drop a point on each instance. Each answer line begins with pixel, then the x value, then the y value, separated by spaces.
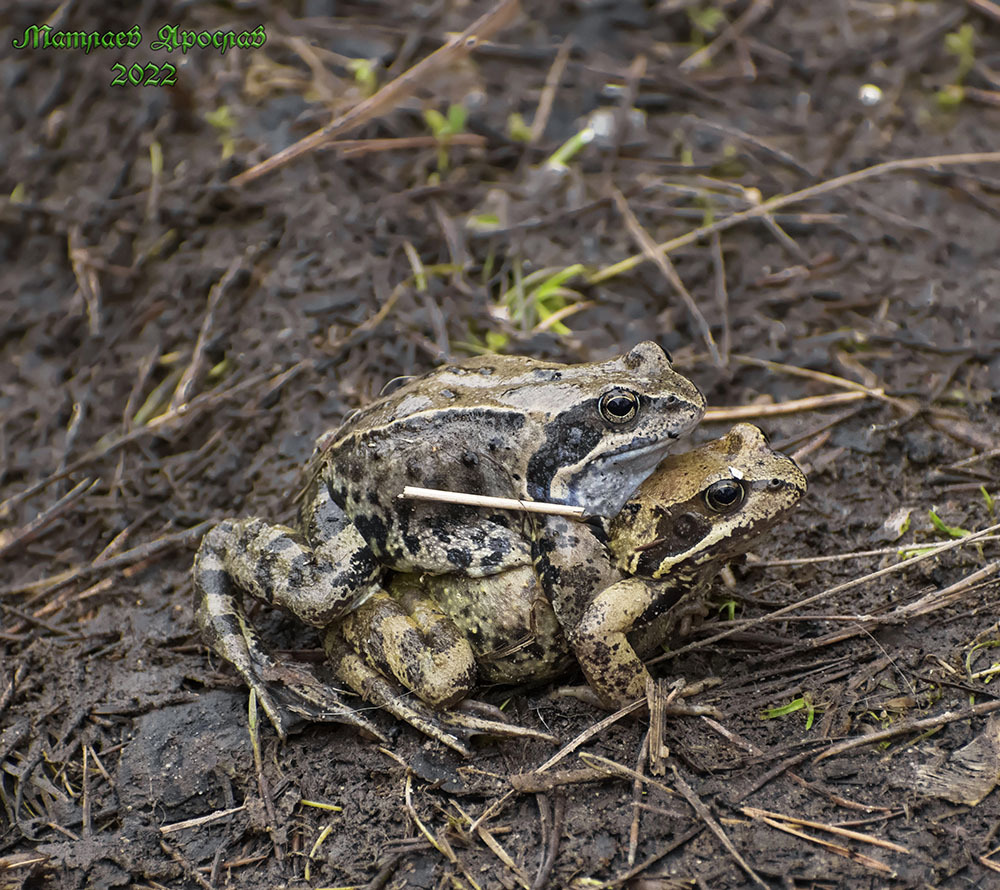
pixel 470 717
pixel 290 695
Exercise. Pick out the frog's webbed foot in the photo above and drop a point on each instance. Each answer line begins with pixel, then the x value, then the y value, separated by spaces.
pixel 287 693
pixel 675 709
pixel 454 729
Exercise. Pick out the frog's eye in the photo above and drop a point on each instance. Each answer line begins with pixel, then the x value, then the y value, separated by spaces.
pixel 725 495
pixel 618 405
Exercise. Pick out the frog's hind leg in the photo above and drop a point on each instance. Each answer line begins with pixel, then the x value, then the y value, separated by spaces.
pixel 410 638
pixel 452 729
pixel 286 692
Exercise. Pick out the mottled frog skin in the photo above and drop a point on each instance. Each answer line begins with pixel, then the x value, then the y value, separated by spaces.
pixel 697 512
pixel 583 434
pixel 606 597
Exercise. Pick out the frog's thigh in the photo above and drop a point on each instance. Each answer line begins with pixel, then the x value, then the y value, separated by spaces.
pixel 273 563
pixel 415 642
pixel 599 641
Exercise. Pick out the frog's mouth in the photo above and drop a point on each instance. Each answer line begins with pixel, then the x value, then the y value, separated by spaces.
pixel 602 485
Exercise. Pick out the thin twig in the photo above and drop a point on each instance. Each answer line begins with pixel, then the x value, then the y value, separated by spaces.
pixel 907 726
pixel 353 148
pixel 633 834
pixel 830 591
pixel 703 56
pixel 487 837
pixel 932 602
pixel 793 406
pixel 666 267
pixel 31 530
pixel 555 834
pixel 201 820
pixel 705 815
pixel 85 272
pixel 481 500
pixel 779 201
pixel 184 386
pixel 687 792
pixel 838 557
pixel 590 732
pixel 839 849
pixel 721 297
pixel 755 813
pixel 156 426
pixel 136 554
pixel 987 7
pixel 548 95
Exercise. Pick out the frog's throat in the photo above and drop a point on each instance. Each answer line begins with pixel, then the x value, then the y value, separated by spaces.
pixel 603 485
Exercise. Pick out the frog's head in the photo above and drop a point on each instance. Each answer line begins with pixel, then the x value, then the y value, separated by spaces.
pixel 608 425
pixel 705 507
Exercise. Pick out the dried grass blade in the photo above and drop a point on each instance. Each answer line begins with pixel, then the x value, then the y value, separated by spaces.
pixel 392 93
pixel 755 812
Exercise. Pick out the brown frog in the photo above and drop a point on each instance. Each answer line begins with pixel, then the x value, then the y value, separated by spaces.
pixel 584 435
pixel 608 597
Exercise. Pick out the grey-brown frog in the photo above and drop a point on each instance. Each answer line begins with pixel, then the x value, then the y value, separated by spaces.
pixel 613 595
pixel 582 434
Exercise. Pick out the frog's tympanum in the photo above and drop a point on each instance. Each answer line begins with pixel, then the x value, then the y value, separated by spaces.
pixel 584 435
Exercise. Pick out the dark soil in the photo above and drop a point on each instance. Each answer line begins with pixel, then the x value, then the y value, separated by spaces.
pixel 137 280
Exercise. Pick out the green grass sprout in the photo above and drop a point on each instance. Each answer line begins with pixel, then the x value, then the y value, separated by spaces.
pixel 728 609
pixel 444 127
pixel 517 129
pixel 962 45
pixel 224 121
pixel 984 675
pixel 534 299
pixel 803 702
pixel 156 158
pixel 560 158
pixel 363 71
pixel 950 530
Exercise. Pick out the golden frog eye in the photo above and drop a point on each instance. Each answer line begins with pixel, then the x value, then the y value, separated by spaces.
pixel 618 405
pixel 725 495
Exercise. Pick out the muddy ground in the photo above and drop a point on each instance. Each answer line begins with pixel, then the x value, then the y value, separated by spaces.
pixel 172 344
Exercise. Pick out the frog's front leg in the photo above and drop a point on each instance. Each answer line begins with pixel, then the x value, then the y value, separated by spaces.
pixel 599 640
pixel 272 563
pixel 595 606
